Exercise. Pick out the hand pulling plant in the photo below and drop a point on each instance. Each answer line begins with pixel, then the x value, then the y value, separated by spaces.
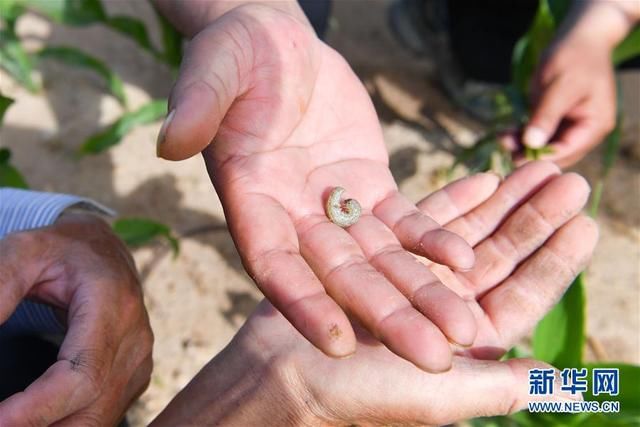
pixel 559 338
pixel 19 64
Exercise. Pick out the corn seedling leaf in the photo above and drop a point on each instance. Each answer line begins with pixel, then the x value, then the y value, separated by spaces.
pixel 78 58
pixel 69 12
pixel 559 337
pixel 132 28
pixel 15 60
pixel 4 105
pixel 9 175
pixel 529 48
pixel 537 153
pixel 113 134
pixel 628 48
pixel 629 391
pixel 137 232
pixel 171 41
pixel 10 11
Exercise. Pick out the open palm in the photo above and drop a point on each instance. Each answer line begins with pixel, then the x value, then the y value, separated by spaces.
pixel 289 122
pixel 530 241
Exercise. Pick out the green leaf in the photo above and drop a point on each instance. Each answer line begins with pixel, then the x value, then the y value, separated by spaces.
pixel 628 48
pixel 612 147
pixel 537 153
pixel 132 28
pixel 113 134
pixel 629 393
pixel 559 337
pixel 609 420
pixel 559 9
pixel 75 57
pixel 141 231
pixel 15 60
pixel 85 12
pixel 10 11
pixel 9 175
pixel 171 41
pixel 515 353
pixel 4 105
pixel 70 12
pixel 478 158
pixel 530 47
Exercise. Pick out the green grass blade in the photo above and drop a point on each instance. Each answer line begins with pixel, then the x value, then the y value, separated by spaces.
pixel 78 58
pixel 113 134
pixel 559 337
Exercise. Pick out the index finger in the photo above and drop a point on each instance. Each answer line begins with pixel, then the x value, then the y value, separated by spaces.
pixel 268 244
pixel 21 267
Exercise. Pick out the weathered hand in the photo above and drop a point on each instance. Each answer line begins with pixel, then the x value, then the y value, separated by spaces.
pixel 288 121
pixel 530 242
pixel 79 266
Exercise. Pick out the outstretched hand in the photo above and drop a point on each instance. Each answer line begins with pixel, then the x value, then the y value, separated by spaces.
pixel 530 241
pixel 573 89
pixel 282 120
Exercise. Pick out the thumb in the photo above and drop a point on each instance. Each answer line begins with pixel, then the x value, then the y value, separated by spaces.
pixel 212 75
pixel 489 388
pixel 552 106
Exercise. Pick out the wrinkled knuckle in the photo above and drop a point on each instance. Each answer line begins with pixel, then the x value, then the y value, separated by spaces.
pixel 146 341
pixel 11 418
pixel 89 418
pixel 293 391
pixel 131 304
pixel 93 369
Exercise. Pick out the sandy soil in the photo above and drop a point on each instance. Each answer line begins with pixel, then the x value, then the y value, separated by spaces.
pixel 199 299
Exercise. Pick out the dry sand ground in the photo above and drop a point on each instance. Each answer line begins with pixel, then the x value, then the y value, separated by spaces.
pixel 198 300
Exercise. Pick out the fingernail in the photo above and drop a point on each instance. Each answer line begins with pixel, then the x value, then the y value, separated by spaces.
pixel 163 129
pixel 534 137
pixel 496 174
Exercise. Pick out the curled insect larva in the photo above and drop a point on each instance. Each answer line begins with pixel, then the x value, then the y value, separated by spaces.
pixel 342 212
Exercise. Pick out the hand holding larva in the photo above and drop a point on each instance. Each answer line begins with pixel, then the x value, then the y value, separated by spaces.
pixel 342 212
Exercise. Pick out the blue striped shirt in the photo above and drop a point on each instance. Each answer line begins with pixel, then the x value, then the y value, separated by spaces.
pixel 25 210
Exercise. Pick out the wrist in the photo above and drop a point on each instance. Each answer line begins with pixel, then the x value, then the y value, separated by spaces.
pixel 600 23
pixel 240 386
pixel 192 17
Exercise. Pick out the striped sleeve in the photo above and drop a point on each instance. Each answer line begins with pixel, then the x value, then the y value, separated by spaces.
pixel 22 210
